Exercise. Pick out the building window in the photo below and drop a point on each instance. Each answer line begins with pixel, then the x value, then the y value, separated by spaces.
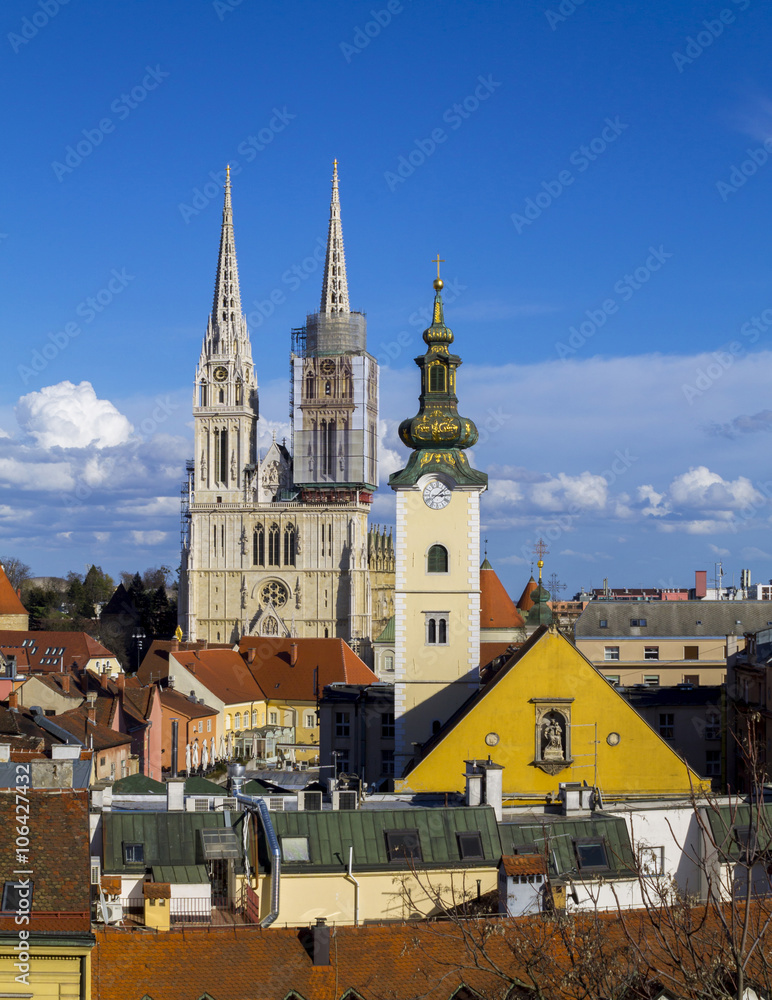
pixel 342 762
pixel 403 845
pixel 591 854
pixel 237 720
pixel 437 380
pixel 436 628
pixel 310 393
pixel 258 546
pixel 273 718
pixel 387 763
pixel 437 559
pixel 227 722
pixel 289 545
pixel 612 678
pixel 651 652
pixel 611 652
pixel 254 718
pixel 112 771
pixel 666 725
pixel 693 679
pixel 16 895
pixel 295 849
pixel 651 861
pixel 638 623
pixel 274 549
pixel 712 763
pixel 651 680
pixel 691 652
pixel 712 726
pixel 310 721
pixel 388 663
pixel 134 854
pixel 470 845
pixel 342 725
pixel 603 623
pixel 387 725
pixel 209 725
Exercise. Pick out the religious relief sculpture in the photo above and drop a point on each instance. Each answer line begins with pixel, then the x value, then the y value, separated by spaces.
pixel 243 592
pixel 233 465
pixel 552 734
pixel 243 543
pixel 203 466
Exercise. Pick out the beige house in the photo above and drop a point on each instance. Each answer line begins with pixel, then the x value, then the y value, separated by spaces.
pixel 661 642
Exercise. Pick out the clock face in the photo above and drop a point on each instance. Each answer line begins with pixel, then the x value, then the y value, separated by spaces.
pixel 436 495
pixel 220 373
pixel 327 367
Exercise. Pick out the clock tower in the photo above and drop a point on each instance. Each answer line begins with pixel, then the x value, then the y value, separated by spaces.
pixel 437 588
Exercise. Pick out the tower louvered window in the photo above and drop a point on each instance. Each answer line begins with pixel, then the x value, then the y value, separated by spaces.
pixel 437 381
pixel 437 559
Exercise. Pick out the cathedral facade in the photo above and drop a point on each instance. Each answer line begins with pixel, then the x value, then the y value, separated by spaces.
pixel 279 543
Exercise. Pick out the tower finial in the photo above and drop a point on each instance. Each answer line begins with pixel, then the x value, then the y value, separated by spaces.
pixel 335 286
pixel 438 282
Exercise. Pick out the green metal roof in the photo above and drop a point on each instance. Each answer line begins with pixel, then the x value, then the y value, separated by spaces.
pixel 257 787
pixel 138 784
pixel 557 834
pixel 331 833
pixel 168 838
pixel 201 786
pixel 736 828
pixel 388 634
pixel 181 874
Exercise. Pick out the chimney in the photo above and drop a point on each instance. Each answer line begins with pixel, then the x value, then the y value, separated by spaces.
pixel 700 583
pixel 91 698
pixel 494 785
pixel 174 646
pixel 474 783
pixel 175 795
pixel 103 679
pixel 66 683
pixel 175 745
pixel 320 934
pixel 251 655
pixel 204 644
pixel 121 682
pixel 294 656
pixel 13 701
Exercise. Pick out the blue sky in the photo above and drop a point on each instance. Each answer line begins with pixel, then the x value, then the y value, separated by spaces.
pixel 597 166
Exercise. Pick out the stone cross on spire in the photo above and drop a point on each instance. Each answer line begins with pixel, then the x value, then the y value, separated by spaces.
pixel 335 287
pixel 226 308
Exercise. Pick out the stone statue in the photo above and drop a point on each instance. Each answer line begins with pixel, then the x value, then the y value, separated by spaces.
pixel 553 736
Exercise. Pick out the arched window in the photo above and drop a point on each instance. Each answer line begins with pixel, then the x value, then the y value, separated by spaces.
pixel 437 378
pixel 442 631
pixel 258 546
pixel 437 559
pixel 328 388
pixel 227 722
pixel 274 545
pixel 254 718
pixel 431 631
pixel 237 720
pixel 310 389
pixel 289 545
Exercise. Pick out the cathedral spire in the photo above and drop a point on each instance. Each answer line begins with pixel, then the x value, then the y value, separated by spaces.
pixel 226 308
pixel 335 287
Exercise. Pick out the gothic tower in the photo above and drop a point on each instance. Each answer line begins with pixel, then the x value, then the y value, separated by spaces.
pixel 437 589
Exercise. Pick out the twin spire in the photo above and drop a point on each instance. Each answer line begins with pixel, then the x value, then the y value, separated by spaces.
pixel 335 286
pixel 226 308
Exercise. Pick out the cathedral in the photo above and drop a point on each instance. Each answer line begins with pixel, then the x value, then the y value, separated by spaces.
pixel 279 544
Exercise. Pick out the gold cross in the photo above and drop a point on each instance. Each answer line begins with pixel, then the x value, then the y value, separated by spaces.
pixel 438 261
pixel 540 549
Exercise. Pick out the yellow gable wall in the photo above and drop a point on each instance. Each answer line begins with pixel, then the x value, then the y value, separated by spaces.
pixel 642 763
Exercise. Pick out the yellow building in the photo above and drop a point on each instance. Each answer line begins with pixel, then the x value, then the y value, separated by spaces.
pixel 437 585
pixel 550 717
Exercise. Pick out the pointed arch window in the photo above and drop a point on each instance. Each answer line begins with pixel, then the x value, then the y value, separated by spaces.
pixel 221 456
pixel 310 387
pixel 274 545
pixel 437 379
pixel 289 545
pixel 436 625
pixel 258 546
pixel 437 559
pixel 328 388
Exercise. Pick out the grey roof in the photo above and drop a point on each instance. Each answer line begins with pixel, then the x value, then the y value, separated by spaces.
pixel 556 834
pixel 331 833
pixel 168 838
pixel 694 619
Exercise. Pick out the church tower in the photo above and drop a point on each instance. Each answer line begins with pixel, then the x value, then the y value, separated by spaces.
pixel 271 546
pixel 437 590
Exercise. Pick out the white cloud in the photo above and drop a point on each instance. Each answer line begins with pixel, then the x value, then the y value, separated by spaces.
pixel 701 489
pixel 148 537
pixel 718 551
pixel 71 416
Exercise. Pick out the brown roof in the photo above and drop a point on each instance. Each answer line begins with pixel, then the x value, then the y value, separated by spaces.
pixel 111 884
pixel 524 864
pixel 221 671
pixel 525 603
pixel 497 609
pixel 47 650
pixel 58 857
pixel 177 703
pixel 156 890
pixel 319 662
pixel 155 664
pixel 76 723
pixel 10 603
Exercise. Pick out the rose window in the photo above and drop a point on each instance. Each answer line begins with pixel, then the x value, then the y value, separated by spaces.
pixel 274 593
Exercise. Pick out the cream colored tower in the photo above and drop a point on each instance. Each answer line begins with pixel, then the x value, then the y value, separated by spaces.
pixel 437 586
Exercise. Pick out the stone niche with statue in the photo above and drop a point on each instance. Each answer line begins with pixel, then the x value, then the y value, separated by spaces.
pixel 552 734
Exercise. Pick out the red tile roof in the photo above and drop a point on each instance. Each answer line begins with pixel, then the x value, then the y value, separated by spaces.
pixel 155 664
pixel 176 703
pixel 10 603
pixel 76 723
pixel 525 603
pixel 319 662
pixel 221 671
pixel 497 609
pixel 46 650
pixel 58 857
pixel 524 864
